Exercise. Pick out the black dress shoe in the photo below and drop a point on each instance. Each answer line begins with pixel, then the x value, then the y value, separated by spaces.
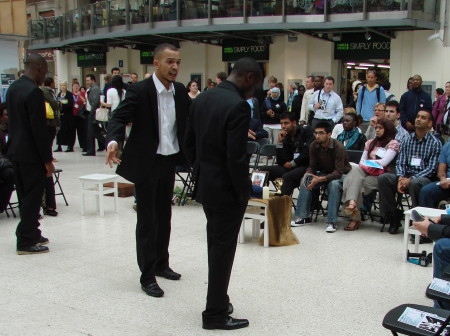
pixel 168 274
pixel 68 150
pixel 35 249
pixel 230 309
pixel 228 324
pixel 393 228
pixel 88 154
pixel 59 149
pixel 50 212
pixel 153 290
pixel 100 149
pixel 42 241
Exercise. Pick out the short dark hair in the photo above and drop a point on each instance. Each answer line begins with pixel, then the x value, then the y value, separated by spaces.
pixel 440 91
pixel 386 85
pixel 161 47
pixel 329 78
pixel 48 81
pixel 114 69
pixel 395 104
pixel 222 76
pixel 134 73
pixel 247 65
pixel 428 110
pixel 287 115
pixel 91 77
pixel 325 125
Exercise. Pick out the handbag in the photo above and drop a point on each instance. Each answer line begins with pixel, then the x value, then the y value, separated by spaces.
pixel 49 114
pixel 101 114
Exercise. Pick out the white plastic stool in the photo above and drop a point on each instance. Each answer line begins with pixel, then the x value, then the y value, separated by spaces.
pixel 257 218
pixel 99 190
pixel 428 212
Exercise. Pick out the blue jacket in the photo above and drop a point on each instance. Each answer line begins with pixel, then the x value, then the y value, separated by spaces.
pixel 368 102
pixel 410 103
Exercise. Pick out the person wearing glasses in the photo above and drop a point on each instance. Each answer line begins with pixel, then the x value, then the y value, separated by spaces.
pixel 378 113
pixel 328 163
pixel 368 95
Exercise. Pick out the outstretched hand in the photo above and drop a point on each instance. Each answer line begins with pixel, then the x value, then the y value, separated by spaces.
pixel 111 154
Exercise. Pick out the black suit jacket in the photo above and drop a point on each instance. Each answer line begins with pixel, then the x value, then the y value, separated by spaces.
pixel 140 106
pixel 27 133
pixel 216 145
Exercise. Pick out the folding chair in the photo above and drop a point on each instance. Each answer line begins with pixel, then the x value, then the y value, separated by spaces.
pixel 269 150
pixel 57 183
pixel 439 297
pixel 391 320
pixel 188 183
pixel 253 149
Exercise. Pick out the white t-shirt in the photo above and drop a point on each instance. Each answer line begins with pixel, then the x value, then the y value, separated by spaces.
pixel 112 97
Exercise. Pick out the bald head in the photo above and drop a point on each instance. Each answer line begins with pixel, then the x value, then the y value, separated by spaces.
pixel 36 68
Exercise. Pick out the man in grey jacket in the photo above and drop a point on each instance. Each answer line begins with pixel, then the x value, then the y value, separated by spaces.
pixel 94 130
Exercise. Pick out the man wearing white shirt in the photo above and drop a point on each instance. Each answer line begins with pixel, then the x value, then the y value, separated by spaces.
pixel 158 107
pixel 309 85
pixel 326 104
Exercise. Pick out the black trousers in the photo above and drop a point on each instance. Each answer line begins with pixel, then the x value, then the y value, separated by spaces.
pixel 291 177
pixel 80 127
pixel 154 213
pixel 6 186
pixel 30 178
pixel 222 230
pixel 49 190
pixel 94 131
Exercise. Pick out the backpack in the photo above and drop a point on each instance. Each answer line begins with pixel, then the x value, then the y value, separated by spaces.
pixel 362 96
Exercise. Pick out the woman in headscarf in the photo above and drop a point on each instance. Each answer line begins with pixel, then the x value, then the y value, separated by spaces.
pixel 362 179
pixel 273 108
pixel 351 136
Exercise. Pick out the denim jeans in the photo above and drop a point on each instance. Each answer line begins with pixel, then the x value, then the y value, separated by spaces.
pixel 431 194
pixel 334 199
pixel 441 259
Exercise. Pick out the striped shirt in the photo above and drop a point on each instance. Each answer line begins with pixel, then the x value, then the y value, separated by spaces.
pixel 418 158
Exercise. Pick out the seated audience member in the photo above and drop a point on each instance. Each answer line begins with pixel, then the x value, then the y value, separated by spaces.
pixel 256 130
pixel 328 163
pixel 392 113
pixel 273 108
pixel 416 165
pixel 338 128
pixel 379 113
pixel 439 232
pixel 432 193
pixel 360 180
pixel 351 136
pixel 292 154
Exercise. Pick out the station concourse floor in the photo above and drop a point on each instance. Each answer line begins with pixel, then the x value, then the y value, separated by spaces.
pixel 330 284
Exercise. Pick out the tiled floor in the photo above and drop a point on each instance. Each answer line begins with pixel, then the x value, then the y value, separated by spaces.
pixel 329 284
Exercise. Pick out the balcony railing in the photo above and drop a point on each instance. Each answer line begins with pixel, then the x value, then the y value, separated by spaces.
pixel 108 14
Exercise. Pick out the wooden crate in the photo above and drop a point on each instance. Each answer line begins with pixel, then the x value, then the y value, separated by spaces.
pixel 124 189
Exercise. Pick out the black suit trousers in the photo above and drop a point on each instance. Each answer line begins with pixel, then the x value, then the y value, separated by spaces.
pixel 222 230
pixel 154 213
pixel 94 131
pixel 30 178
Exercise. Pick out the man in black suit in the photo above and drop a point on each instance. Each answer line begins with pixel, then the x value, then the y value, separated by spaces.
pixel 29 151
pixel 216 146
pixel 94 131
pixel 158 107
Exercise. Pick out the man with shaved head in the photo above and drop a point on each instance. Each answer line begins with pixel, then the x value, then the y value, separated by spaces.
pixel 158 107
pixel 29 151
pixel 412 101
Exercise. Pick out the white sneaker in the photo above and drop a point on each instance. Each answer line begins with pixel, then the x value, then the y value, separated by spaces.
pixel 300 221
pixel 331 227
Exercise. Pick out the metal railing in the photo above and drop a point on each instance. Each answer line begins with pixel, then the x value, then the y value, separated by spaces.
pixel 107 14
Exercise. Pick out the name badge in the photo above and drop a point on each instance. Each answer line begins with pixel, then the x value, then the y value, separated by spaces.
pixel 381 152
pixel 296 155
pixel 76 106
pixel 415 161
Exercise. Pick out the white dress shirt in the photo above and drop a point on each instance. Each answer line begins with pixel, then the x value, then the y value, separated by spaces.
pixel 331 107
pixel 168 141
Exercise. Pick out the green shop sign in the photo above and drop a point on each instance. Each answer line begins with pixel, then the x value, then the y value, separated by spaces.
pixel 146 57
pixel 91 60
pixel 357 47
pixel 234 50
